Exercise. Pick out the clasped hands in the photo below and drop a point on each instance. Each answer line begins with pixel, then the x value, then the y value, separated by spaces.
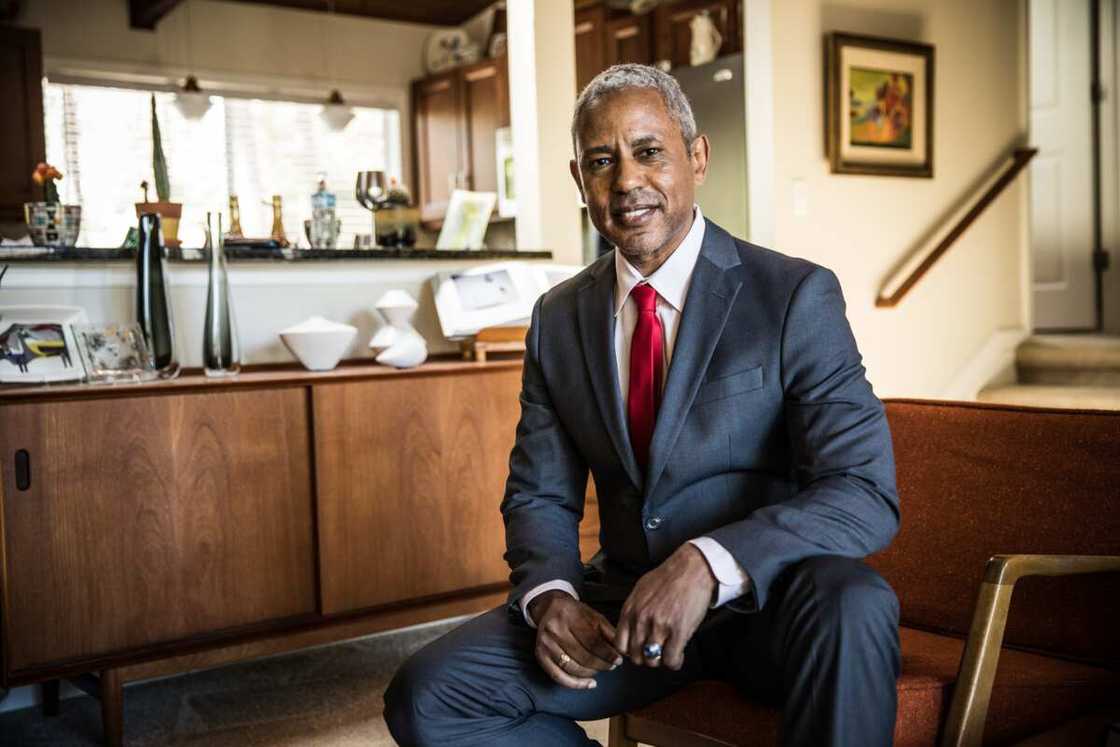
pixel 575 642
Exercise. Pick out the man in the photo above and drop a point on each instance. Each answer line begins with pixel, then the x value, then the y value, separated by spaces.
pixel 741 461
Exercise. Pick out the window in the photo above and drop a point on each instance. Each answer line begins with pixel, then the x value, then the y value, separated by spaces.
pixel 101 139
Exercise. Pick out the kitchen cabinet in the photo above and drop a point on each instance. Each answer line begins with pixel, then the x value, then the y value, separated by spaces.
pixel 130 522
pixel 440 132
pixel 22 142
pixel 673 35
pixel 456 115
pixel 629 38
pixel 591 55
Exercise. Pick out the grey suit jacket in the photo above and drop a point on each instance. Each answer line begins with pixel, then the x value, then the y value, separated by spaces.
pixel 769 438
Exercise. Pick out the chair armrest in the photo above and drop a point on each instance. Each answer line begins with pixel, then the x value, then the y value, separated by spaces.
pixel 973 690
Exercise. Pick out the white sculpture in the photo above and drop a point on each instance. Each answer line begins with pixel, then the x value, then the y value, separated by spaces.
pixel 398 344
pixel 706 39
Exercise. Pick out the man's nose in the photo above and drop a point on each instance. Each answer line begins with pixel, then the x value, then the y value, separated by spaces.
pixel 627 175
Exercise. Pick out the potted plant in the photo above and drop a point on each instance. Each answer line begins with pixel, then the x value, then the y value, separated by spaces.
pixel 51 223
pixel 169 212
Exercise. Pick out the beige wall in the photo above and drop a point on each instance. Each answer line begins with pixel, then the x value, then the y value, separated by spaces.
pixel 252 48
pixel 862 226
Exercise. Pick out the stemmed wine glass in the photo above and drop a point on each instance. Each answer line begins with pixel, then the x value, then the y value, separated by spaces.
pixel 370 189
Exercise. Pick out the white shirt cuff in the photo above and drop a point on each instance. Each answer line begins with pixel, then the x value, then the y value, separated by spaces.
pixel 536 591
pixel 732 581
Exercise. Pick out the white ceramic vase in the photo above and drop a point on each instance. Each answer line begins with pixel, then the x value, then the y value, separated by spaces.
pixel 398 344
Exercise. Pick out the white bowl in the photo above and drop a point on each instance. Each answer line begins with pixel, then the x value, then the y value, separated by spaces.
pixel 319 344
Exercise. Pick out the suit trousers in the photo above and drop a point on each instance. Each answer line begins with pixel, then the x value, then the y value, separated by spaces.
pixel 824 649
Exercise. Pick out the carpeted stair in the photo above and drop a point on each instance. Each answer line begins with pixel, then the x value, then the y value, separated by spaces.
pixel 1074 371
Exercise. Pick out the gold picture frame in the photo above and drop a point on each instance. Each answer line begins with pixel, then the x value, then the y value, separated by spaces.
pixel 878 106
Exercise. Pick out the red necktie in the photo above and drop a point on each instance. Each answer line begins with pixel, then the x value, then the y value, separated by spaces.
pixel 647 361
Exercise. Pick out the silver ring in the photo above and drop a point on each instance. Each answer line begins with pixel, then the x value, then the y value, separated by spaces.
pixel 564 659
pixel 652 650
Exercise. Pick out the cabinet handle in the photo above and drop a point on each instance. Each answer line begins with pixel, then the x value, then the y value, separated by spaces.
pixel 23 469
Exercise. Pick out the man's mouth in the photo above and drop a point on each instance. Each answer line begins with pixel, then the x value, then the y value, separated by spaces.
pixel 634 216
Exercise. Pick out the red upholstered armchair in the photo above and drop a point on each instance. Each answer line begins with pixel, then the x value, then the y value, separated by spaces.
pixel 994 499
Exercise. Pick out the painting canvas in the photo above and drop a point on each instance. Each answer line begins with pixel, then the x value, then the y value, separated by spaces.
pixel 881 108
pixel 878 106
pixel 37 344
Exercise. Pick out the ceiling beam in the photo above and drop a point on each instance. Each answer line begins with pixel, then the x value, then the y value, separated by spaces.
pixel 145 14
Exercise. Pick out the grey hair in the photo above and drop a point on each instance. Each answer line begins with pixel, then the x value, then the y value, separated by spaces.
pixel 621 77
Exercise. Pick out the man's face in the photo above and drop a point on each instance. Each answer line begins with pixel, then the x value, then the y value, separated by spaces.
pixel 635 174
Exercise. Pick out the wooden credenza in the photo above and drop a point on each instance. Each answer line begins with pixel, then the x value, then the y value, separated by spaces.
pixel 158 528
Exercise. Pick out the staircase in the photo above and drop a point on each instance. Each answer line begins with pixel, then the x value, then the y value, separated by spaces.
pixel 1075 371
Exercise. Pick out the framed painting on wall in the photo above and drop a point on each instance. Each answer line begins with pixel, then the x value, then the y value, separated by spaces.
pixel 878 106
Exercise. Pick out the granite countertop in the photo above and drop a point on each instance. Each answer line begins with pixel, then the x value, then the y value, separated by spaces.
pixel 240 254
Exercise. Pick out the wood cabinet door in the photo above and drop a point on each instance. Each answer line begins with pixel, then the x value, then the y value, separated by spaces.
pixel 486 95
pixel 590 30
pixel 629 39
pixel 673 36
pixel 22 143
pixel 152 519
pixel 410 473
pixel 440 142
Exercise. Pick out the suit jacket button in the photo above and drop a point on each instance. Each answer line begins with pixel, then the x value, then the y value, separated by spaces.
pixel 653 522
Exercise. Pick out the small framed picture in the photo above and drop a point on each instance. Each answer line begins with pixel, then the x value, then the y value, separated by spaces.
pixel 503 148
pixel 115 352
pixel 37 344
pixel 468 215
pixel 878 106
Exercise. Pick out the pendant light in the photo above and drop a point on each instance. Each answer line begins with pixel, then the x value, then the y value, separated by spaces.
pixel 191 101
pixel 335 111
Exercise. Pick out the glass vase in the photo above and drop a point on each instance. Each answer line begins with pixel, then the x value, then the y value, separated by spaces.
pixel 153 301
pixel 221 353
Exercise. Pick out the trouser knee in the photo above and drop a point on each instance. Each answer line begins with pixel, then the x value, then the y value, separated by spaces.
pixel 404 700
pixel 845 593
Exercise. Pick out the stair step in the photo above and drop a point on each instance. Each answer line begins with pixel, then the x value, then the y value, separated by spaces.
pixel 1070 360
pixel 1039 395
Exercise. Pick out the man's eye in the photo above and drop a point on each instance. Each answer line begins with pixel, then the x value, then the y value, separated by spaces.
pixel 650 152
pixel 598 163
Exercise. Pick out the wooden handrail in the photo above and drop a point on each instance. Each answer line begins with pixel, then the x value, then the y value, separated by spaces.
pixel 907 276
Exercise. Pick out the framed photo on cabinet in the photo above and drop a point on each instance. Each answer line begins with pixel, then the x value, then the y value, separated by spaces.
pixel 878 106
pixel 38 346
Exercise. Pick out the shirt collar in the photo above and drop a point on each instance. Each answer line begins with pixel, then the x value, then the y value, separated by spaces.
pixel 671 279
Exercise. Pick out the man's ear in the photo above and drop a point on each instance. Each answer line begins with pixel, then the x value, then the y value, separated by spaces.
pixel 699 152
pixel 573 166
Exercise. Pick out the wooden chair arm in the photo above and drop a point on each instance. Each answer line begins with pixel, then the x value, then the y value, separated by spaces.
pixel 969 710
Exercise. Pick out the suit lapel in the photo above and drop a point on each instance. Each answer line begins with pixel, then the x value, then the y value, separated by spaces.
pixel 711 295
pixel 596 324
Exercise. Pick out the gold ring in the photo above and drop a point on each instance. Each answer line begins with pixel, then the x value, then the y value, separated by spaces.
pixel 564 659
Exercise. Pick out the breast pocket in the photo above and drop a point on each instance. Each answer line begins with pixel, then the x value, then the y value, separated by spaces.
pixel 730 385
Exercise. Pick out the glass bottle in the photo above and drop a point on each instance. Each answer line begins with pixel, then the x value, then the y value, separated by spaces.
pixel 278 222
pixel 323 233
pixel 221 352
pixel 234 218
pixel 153 301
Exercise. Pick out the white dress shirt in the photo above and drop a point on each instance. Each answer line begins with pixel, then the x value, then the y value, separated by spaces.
pixel 671 281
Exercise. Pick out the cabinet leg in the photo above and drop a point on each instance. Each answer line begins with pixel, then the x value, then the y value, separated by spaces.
pixel 112 707
pixel 50 697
